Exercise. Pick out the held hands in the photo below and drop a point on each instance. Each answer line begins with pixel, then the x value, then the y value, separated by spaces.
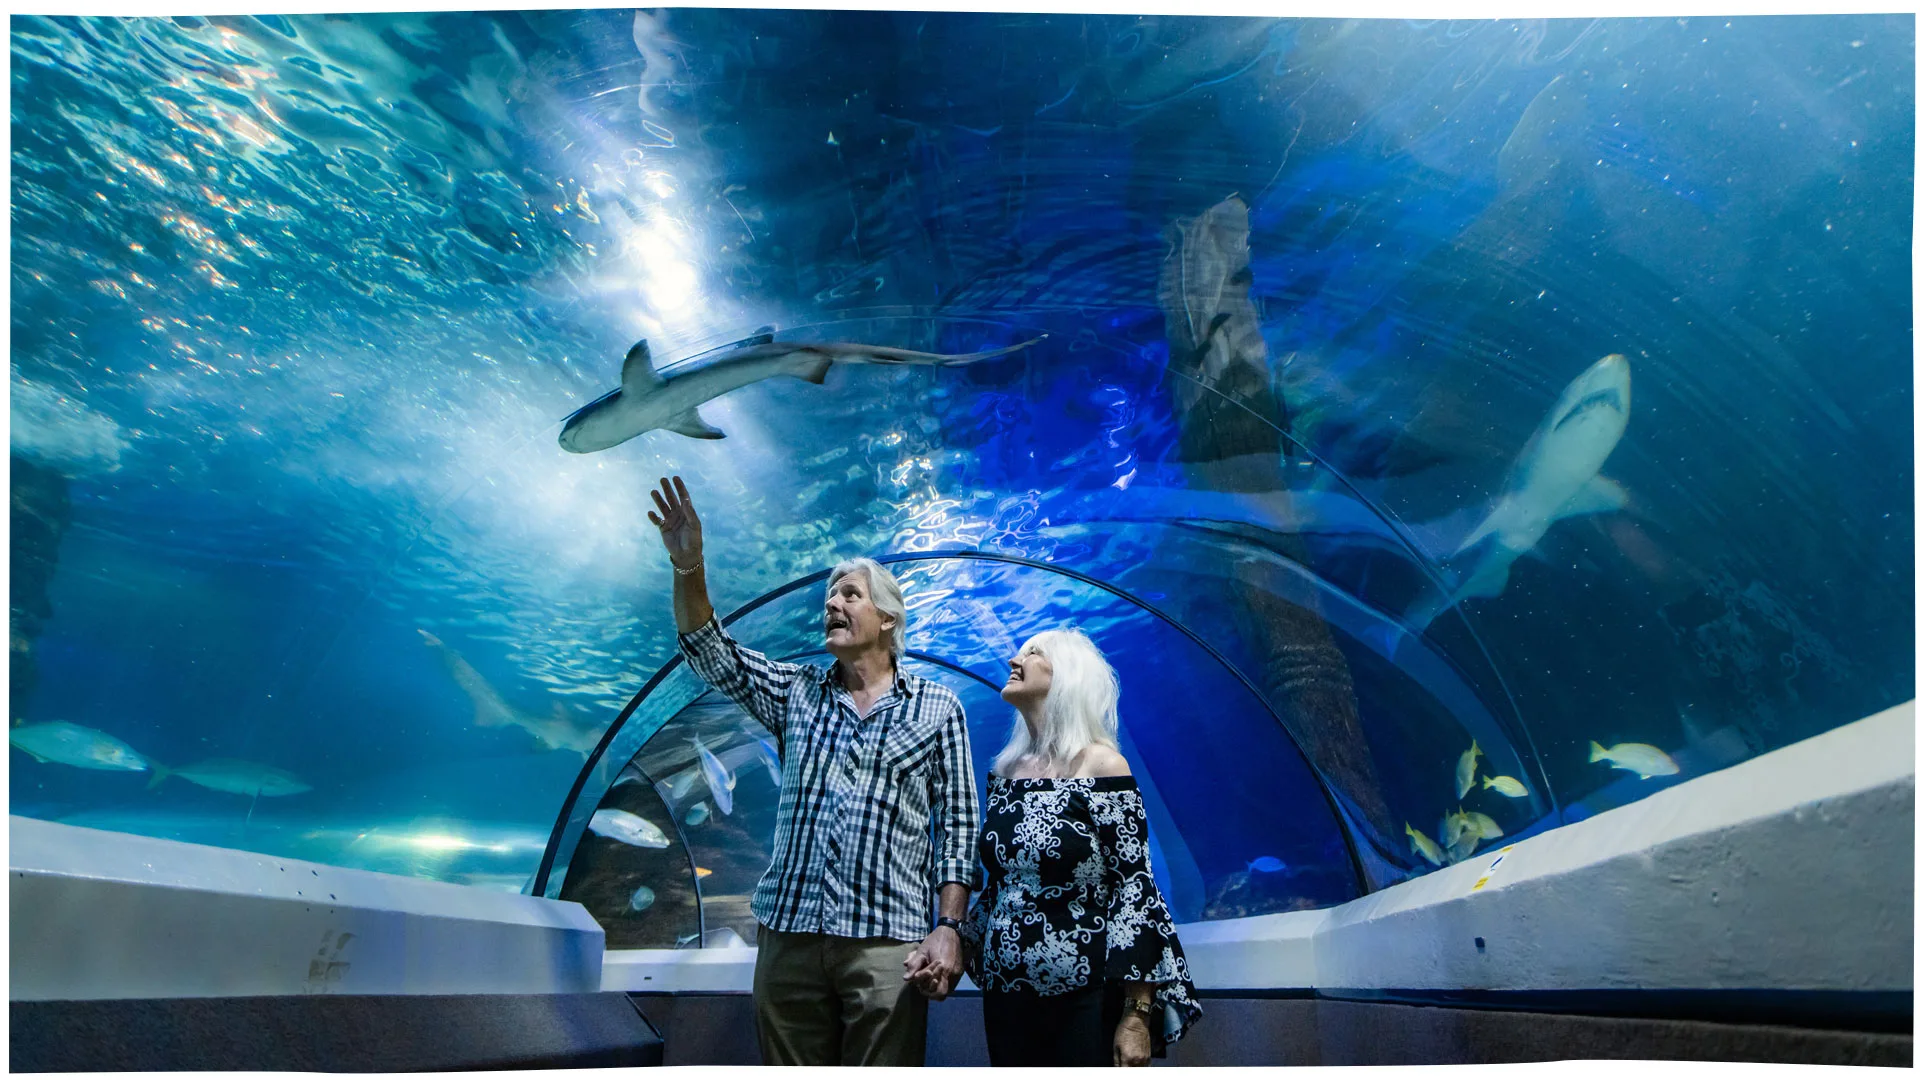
pixel 935 965
pixel 679 525
pixel 1131 1046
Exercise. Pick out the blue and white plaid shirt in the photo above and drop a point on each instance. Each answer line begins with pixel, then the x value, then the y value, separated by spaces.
pixel 875 814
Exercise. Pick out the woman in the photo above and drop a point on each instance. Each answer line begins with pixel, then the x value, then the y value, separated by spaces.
pixel 1070 941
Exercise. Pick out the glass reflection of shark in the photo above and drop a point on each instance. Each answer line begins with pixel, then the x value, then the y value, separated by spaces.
pixel 83 747
pixel 557 731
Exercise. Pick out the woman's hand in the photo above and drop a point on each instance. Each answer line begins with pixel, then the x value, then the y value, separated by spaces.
pixel 679 525
pixel 1131 1046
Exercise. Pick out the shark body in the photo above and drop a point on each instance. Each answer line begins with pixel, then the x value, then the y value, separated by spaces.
pixel 557 731
pixel 649 401
pixel 1556 475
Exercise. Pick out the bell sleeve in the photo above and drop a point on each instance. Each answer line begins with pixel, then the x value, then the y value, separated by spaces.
pixel 1142 945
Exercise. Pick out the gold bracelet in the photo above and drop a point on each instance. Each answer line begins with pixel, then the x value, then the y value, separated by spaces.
pixel 688 570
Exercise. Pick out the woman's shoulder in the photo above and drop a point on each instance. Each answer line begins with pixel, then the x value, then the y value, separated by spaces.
pixel 1098 760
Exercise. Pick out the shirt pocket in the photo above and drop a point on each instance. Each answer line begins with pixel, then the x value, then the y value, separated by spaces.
pixel 910 753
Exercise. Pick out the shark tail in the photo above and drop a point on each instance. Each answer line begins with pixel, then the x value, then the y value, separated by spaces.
pixel 160 772
pixel 1597 753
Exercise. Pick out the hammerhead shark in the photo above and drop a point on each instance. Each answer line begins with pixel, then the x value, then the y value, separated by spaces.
pixel 647 401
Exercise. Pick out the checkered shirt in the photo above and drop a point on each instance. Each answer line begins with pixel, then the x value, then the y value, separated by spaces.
pixel 875 814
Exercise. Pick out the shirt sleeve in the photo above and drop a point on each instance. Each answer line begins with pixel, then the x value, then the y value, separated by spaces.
pixel 955 805
pixel 760 686
pixel 1142 945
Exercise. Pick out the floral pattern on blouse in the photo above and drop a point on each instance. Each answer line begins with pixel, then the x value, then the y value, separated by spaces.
pixel 1070 899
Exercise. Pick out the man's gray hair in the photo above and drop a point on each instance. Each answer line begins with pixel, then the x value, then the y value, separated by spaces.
pixel 884 590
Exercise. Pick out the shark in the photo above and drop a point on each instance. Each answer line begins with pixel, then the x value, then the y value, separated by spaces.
pixel 558 731
pixel 1555 476
pixel 647 401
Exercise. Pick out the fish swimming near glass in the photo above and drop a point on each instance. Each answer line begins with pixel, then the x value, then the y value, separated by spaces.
pixel 719 780
pixel 1463 772
pixel 1424 846
pixel 61 743
pixel 700 813
pixel 1648 761
pixel 1505 785
pixel 641 900
pixel 627 828
pixel 770 757
pixel 647 400
pixel 235 777
pixel 1555 476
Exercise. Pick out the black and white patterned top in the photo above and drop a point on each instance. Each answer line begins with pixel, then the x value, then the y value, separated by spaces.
pixel 1070 899
pixel 874 815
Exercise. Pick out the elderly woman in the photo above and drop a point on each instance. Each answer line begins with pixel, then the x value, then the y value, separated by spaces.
pixel 1071 942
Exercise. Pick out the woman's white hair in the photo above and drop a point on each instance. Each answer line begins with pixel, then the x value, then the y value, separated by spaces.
pixel 884 590
pixel 1082 707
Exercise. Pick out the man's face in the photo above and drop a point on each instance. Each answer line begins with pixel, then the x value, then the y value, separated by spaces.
pixel 853 624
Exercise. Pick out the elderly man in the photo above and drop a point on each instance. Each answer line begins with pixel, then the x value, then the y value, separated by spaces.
pixel 877 813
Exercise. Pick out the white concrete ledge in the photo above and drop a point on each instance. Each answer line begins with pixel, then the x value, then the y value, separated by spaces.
pixel 100 915
pixel 1791 871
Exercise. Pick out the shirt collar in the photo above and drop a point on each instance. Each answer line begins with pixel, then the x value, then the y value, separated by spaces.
pixel 902 681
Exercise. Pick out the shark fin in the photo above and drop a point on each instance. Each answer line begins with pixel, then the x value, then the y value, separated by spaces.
pixel 687 422
pixel 814 371
pixel 1486 528
pixel 762 336
pixel 1600 495
pixel 637 372
pixel 160 772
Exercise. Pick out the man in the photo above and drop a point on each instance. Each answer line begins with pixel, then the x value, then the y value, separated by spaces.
pixel 877 811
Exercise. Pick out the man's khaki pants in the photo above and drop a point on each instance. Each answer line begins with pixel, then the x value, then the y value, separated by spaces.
pixel 825 1000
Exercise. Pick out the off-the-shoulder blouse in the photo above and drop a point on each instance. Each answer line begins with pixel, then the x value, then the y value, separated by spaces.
pixel 1070 900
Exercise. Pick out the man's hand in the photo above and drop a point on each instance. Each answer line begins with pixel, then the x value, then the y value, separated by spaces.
pixel 1132 1048
pixel 679 525
pixel 935 966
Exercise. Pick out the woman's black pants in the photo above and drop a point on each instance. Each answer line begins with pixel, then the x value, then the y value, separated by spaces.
pixel 1024 1028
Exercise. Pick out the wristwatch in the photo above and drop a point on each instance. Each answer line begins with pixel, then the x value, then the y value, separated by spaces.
pixel 1143 1008
pixel 948 920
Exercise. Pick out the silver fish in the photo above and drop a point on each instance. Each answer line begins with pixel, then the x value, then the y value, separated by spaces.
pixel 72 744
pixel 719 781
pixel 234 777
pixel 627 828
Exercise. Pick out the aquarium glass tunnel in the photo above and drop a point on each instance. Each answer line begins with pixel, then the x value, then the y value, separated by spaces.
pixel 1449 429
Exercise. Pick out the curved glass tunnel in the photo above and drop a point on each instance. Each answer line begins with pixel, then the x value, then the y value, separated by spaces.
pixel 1395 390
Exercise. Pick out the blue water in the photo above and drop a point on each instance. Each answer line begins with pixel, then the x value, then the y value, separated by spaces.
pixel 300 302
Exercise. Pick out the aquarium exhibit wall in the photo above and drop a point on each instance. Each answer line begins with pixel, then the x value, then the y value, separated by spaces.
pixel 1451 430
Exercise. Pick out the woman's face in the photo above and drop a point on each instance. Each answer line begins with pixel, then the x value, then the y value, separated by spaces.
pixel 1029 677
